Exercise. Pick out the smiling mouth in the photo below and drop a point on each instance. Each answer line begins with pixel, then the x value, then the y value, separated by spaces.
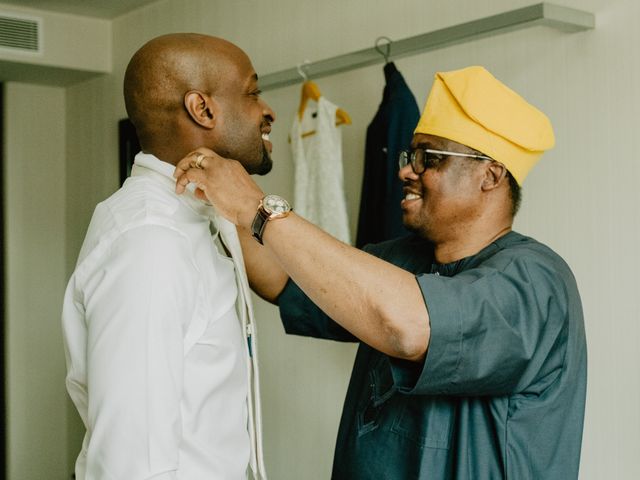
pixel 409 199
pixel 267 142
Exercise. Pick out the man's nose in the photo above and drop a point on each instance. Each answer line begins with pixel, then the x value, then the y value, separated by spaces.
pixel 268 113
pixel 406 174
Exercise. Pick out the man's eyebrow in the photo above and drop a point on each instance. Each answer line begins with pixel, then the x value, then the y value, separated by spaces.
pixel 426 144
pixel 253 79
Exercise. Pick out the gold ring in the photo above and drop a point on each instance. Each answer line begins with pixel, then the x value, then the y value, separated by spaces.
pixel 199 158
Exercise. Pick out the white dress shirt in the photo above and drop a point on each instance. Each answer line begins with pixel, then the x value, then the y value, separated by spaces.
pixel 159 339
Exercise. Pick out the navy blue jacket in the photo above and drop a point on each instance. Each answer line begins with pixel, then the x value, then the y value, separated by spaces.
pixel 389 132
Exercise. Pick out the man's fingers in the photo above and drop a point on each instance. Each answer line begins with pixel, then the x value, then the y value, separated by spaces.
pixel 199 162
pixel 196 159
pixel 183 165
pixel 191 175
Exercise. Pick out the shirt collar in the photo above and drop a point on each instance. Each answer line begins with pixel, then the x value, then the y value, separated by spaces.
pixel 146 164
pixel 457 266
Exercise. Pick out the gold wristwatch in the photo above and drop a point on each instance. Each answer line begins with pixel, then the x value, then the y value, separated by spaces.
pixel 271 207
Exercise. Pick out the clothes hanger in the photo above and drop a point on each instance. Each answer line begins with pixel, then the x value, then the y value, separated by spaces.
pixel 387 47
pixel 310 91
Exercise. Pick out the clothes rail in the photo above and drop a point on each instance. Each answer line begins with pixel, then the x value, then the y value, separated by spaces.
pixel 562 18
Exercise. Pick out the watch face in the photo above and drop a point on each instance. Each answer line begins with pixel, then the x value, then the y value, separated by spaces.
pixel 276 205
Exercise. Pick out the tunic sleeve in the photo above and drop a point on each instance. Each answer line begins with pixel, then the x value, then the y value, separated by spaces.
pixel 497 329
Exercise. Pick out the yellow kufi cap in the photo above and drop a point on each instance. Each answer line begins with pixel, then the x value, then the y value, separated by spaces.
pixel 471 107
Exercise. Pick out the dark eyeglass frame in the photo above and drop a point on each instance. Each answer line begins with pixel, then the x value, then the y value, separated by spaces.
pixel 423 158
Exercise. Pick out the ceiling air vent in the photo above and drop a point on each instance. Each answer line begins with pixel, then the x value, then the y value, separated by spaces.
pixel 20 34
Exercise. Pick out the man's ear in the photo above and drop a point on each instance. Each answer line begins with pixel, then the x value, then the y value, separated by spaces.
pixel 201 108
pixel 494 174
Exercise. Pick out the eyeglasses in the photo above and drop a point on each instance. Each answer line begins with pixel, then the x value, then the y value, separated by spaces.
pixel 423 158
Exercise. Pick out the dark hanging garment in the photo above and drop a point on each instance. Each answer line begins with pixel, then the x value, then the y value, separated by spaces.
pixel 389 132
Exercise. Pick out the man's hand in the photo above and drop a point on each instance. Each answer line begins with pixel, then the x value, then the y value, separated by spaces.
pixel 222 181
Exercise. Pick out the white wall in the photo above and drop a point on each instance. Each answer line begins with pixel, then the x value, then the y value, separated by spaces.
pixel 580 200
pixel 34 192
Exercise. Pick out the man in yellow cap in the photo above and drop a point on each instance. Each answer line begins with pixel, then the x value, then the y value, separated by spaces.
pixel 472 361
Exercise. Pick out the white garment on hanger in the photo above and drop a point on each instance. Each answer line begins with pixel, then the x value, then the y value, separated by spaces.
pixel 319 188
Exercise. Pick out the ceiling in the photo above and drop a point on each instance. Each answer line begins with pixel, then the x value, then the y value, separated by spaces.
pixel 88 8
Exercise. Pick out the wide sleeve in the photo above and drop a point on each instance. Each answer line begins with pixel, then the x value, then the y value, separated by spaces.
pixel 300 316
pixel 139 303
pixel 497 329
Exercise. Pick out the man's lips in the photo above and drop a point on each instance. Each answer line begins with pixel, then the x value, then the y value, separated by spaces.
pixel 410 195
pixel 266 141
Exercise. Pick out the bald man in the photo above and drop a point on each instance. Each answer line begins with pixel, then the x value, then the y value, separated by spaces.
pixel 157 320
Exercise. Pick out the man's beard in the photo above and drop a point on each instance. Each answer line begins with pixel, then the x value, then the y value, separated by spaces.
pixel 266 164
